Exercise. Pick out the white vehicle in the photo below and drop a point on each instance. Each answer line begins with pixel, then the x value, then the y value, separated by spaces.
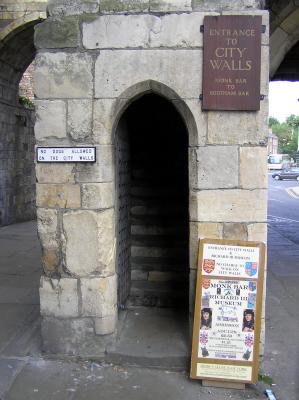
pixel 279 161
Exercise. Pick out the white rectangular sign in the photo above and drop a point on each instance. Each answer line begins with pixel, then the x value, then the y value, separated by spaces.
pixel 65 154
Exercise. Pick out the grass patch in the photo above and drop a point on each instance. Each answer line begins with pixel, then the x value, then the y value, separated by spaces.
pixel 265 379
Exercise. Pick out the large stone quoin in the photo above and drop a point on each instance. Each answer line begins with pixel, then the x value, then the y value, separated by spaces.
pixel 97 60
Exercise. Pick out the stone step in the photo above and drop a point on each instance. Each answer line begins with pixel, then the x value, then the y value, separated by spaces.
pixel 158 276
pixel 179 263
pixel 141 229
pixel 160 220
pixel 174 240
pixel 155 190
pixel 152 337
pixel 170 210
pixel 157 251
pixel 158 294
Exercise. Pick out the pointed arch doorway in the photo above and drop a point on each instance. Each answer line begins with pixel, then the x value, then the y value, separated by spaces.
pixel 152 221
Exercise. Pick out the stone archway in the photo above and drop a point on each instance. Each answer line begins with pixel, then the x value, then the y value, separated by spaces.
pixel 17 179
pixel 152 221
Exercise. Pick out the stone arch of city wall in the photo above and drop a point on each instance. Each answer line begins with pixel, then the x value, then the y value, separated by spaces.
pixel 75 106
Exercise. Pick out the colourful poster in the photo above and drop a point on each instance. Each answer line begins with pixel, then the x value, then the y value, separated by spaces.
pixel 230 260
pixel 226 324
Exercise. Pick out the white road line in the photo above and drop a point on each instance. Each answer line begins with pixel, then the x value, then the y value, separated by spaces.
pixel 277 219
pixel 278 201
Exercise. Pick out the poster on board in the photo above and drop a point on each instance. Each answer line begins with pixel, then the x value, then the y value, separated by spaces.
pixel 227 319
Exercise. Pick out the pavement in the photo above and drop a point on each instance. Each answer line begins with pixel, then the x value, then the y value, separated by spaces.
pixel 151 359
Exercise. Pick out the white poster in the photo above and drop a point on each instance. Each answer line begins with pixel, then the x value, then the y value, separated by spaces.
pixel 227 319
pixel 229 260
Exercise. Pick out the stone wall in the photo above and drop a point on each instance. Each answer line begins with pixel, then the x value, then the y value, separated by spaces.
pixel 94 59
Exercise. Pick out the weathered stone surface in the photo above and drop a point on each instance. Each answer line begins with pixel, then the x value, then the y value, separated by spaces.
pixel 50 119
pixel 235 231
pixel 72 7
pixel 170 5
pixel 79 119
pixel 105 325
pixel 231 205
pixel 257 232
pixel 74 336
pixel 160 276
pixel 98 195
pixel 63 75
pixel 89 243
pixel 195 120
pixel 55 173
pixel 103 119
pixel 253 167
pixel 47 227
pixel 100 171
pixel 57 33
pixel 51 261
pixel 222 5
pixel 279 41
pixel 205 167
pixel 99 296
pixel 61 196
pixel 59 298
pixel 124 6
pixel 143 31
pixel 116 71
pixel 239 127
pixel 198 231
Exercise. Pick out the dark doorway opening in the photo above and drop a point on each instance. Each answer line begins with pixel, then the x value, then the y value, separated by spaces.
pixel 152 205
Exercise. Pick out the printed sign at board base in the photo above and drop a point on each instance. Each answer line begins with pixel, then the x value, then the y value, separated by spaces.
pixel 228 306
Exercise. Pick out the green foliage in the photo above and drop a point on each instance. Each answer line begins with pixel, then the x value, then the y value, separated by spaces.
pixel 265 379
pixel 27 103
pixel 287 133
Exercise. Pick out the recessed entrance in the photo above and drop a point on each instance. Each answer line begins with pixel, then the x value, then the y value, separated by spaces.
pixel 152 224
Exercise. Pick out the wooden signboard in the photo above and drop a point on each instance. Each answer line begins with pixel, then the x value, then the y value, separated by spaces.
pixel 231 62
pixel 228 307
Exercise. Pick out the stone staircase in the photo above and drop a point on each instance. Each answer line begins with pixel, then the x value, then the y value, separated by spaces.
pixel 159 232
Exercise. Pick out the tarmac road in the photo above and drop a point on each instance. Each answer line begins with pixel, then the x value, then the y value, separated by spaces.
pixel 283 208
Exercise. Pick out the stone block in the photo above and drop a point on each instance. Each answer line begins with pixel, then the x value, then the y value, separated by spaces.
pixel 59 298
pixel 198 231
pixel 105 325
pixel 63 75
pixel 50 119
pixel 55 173
pixel 104 113
pixel 223 5
pixel 195 120
pixel 226 127
pixel 51 261
pixel 116 71
pixel 47 227
pixel 207 169
pixel 89 243
pixel 279 41
pixel 170 5
pixel 74 337
pixel 98 195
pixel 231 205
pixel 100 171
pixel 60 195
pixel 53 34
pixel 99 297
pixel 235 231
pixel 257 232
pixel 127 6
pixel 253 168
pixel 161 276
pixel 72 7
pixel 143 31
pixel 79 119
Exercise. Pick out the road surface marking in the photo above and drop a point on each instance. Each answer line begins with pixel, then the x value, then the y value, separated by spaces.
pixel 281 219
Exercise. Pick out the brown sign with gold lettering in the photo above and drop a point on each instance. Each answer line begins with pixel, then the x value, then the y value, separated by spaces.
pixel 232 62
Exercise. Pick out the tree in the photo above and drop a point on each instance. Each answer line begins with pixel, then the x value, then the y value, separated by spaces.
pixel 287 133
pixel 273 121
